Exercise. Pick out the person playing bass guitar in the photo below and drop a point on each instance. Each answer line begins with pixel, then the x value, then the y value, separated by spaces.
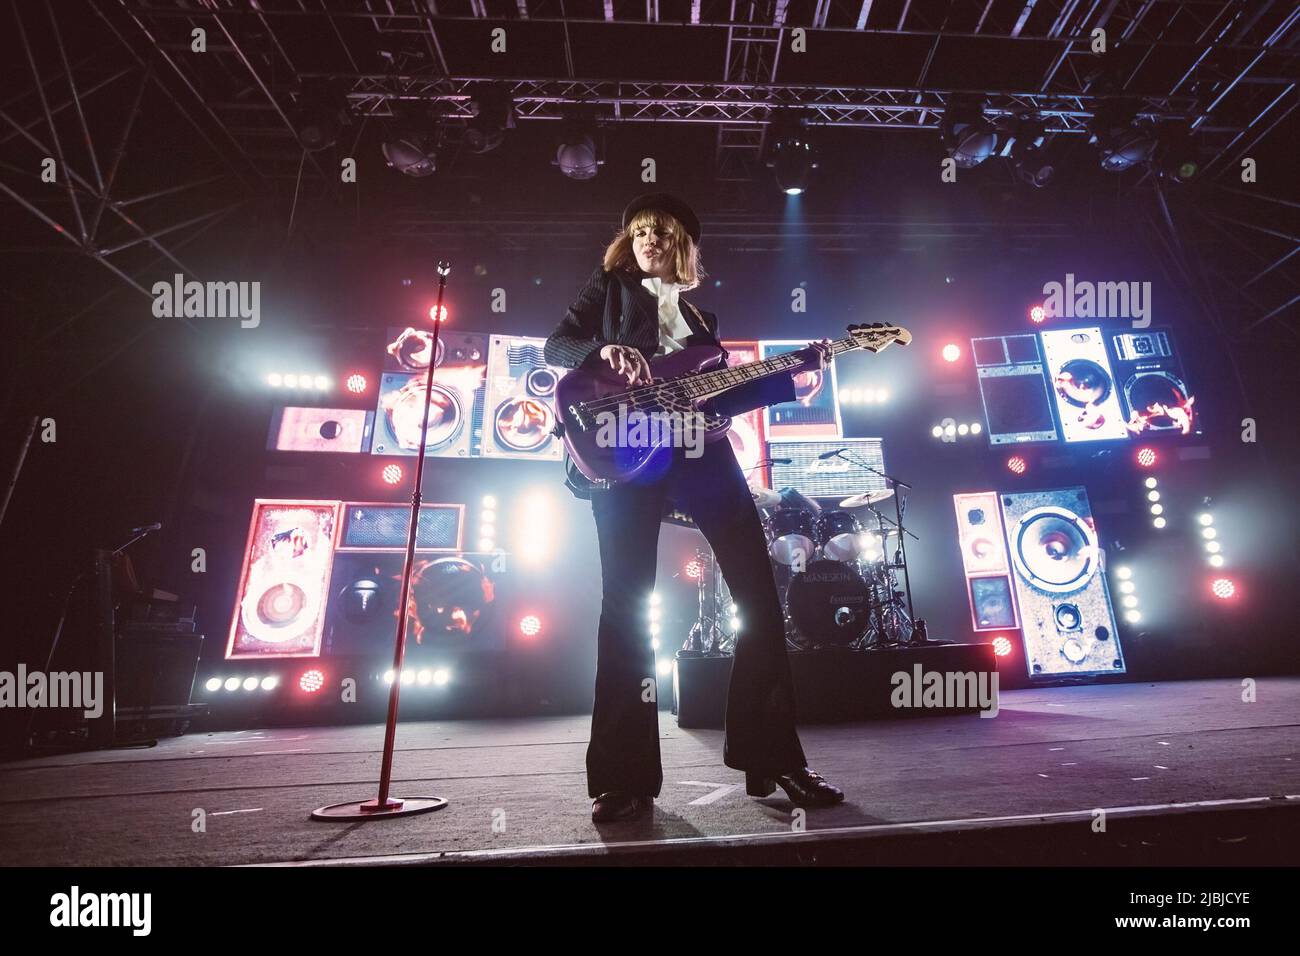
pixel 630 311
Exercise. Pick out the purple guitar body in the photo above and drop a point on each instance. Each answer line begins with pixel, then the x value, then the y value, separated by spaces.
pixel 590 403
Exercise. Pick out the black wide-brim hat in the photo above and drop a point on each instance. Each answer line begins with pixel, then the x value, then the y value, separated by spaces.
pixel 665 202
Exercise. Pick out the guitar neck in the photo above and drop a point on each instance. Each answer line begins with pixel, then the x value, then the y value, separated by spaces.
pixel 708 384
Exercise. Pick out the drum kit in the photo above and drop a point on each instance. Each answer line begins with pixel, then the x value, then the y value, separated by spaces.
pixel 838 568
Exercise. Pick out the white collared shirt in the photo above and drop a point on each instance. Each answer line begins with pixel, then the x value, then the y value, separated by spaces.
pixel 673 329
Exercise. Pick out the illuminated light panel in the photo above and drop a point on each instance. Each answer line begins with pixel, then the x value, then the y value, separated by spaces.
pixel 694 569
pixel 311 681
pixel 391 474
pixel 1146 457
pixel 530 625
pixel 1017 465
pixel 951 352
pixel 357 383
pixel 1001 646
pixel 1037 315
pixel 1223 588
pixel 434 315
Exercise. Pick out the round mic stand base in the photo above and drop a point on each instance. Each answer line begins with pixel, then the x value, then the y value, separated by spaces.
pixel 370 809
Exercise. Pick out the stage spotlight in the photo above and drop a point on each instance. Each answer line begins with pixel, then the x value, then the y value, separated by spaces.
pixel 1205 518
pixel 693 569
pixel 963 428
pixel 1159 522
pixel 968 137
pixel 1216 560
pixel 411 155
pixel 951 352
pixel 388 676
pixel 392 474
pixel 655 598
pixel 489 501
pixel 1133 617
pixel 290 381
pixel 735 624
pixel 250 683
pixel 1001 646
pixel 882 395
pixel 1153 495
pixel 1151 482
pixel 1146 457
pixel 1017 465
pixel 1223 588
pixel 424 676
pixel 231 683
pixel 950 430
pixel 408 676
pixel 442 677
pixel 654 643
pixel 1029 150
pixel 1209 533
pixel 664 667
pixel 1157 509
pixel 1213 547
pixel 1038 315
pixel 311 681
pixel 270 683
pixel 322 383
pixel 212 684
pixel 1124 141
pixel 937 431
pixel 1123 572
pixel 275 380
pixel 976 428
pixel 494 113
pixel 576 154
pixel 1130 600
pixel 1127 587
pixel 530 625
pixel 356 383
pixel 433 309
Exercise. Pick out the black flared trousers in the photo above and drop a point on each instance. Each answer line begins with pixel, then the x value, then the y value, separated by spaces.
pixel 760 715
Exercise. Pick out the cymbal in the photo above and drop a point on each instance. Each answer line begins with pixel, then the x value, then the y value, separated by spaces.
pixel 870 498
pixel 764 497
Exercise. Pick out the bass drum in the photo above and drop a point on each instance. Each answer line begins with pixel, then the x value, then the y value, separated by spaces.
pixel 829 602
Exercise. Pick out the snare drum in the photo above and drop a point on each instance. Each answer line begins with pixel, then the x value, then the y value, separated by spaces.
pixel 791 536
pixel 837 534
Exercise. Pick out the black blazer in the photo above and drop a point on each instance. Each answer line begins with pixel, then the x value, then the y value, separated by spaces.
pixel 614 308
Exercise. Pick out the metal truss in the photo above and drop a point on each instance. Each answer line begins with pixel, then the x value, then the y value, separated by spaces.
pixel 1239 55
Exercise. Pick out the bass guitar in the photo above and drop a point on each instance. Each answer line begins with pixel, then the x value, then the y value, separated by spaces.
pixel 613 432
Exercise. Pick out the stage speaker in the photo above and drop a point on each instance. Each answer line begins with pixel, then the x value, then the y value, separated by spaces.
pixel 984 558
pixel 1067 620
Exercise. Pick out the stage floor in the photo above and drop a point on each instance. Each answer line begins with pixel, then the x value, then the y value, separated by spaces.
pixel 1186 771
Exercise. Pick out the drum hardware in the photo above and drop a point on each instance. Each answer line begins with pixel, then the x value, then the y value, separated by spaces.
pixel 867 499
pixel 763 497
pixel 706 638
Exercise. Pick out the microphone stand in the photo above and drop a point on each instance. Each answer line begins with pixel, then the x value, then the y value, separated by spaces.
pixel 896 483
pixel 385 806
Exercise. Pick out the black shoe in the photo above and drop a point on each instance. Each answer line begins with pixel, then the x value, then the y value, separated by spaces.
pixel 804 787
pixel 617 805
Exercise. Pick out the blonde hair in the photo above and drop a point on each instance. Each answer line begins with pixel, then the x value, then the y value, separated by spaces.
pixel 686 254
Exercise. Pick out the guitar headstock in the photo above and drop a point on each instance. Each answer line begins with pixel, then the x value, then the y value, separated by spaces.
pixel 878 336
